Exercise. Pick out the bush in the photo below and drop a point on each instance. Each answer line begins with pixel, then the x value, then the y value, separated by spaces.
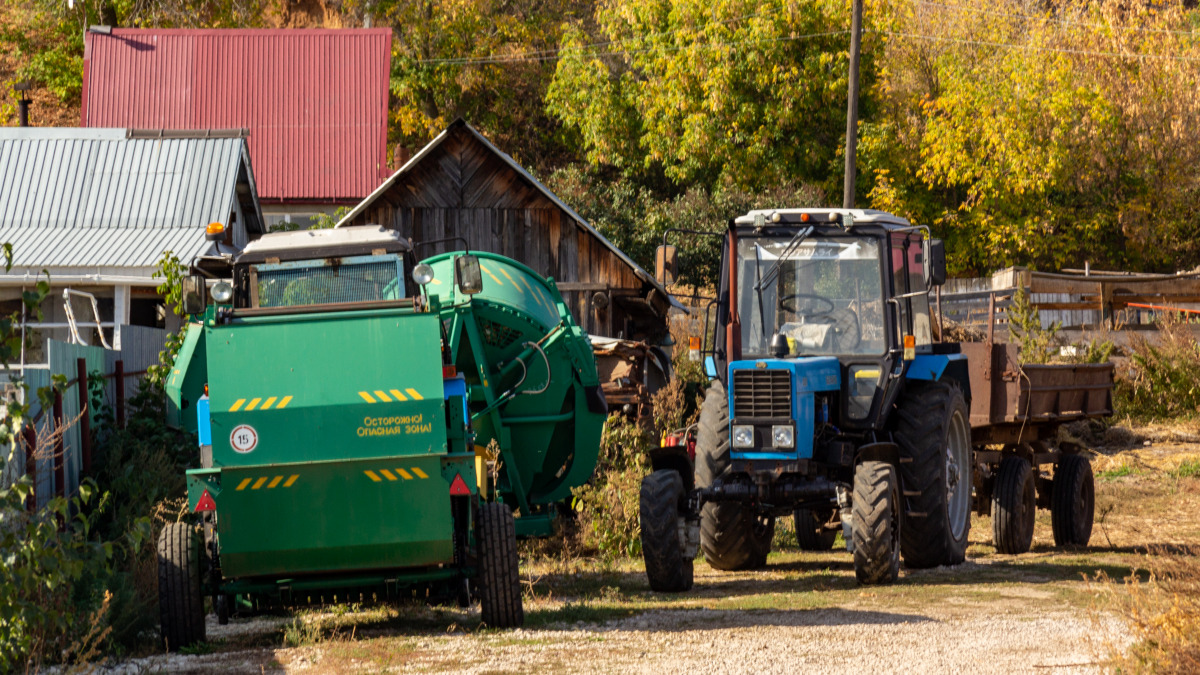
pixel 1162 380
pixel 607 507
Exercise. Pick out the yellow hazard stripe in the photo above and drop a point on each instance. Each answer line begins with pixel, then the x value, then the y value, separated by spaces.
pixel 283 403
pixel 407 475
pixel 366 397
pixel 274 482
pixel 253 404
pixel 291 479
pixel 387 474
pixel 420 473
pixel 493 276
pixel 396 393
pixel 268 403
pixel 372 476
pixel 259 483
pixel 382 396
pixel 245 481
pixel 237 405
pixel 510 279
pixel 413 393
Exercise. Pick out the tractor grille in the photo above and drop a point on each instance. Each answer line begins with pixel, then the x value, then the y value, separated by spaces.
pixel 762 393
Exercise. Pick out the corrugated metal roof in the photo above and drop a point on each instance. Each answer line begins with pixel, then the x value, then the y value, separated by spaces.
pixel 315 101
pixel 416 159
pixel 95 198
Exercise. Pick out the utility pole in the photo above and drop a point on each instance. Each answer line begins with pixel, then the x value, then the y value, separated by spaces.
pixel 852 106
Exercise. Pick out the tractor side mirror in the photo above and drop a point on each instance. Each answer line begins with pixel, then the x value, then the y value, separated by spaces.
pixel 467 274
pixel 935 262
pixel 666 264
pixel 194 295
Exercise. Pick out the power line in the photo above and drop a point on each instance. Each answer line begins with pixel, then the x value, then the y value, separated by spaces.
pixel 1065 22
pixel 1026 47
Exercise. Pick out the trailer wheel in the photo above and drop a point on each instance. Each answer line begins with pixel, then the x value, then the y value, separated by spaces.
pixel 499 573
pixel 180 598
pixel 667 567
pixel 1013 506
pixel 876 519
pixel 1073 501
pixel 811 534
pixel 935 448
pixel 732 536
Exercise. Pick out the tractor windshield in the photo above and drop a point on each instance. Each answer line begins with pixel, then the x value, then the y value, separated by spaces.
pixel 327 281
pixel 822 293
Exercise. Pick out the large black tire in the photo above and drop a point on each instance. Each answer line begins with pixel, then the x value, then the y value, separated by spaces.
pixel 731 535
pixel 180 597
pixel 810 533
pixel 1073 501
pixel 1013 506
pixel 934 433
pixel 499 573
pixel 667 568
pixel 876 523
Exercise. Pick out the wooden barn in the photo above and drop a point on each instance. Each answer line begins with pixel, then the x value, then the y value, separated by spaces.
pixel 460 185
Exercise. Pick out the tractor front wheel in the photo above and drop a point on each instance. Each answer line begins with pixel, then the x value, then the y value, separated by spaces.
pixel 499 573
pixel 876 523
pixel 180 598
pixel 667 567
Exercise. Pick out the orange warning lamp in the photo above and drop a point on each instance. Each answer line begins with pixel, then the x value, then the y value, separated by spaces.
pixel 214 232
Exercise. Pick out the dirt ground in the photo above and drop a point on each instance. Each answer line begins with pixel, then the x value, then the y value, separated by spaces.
pixel 1040 612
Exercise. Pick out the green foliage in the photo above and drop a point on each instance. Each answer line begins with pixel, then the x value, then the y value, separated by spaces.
pixel 1162 379
pixel 1037 344
pixel 607 507
pixel 750 92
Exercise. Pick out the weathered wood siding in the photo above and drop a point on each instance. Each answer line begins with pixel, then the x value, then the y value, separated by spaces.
pixel 463 189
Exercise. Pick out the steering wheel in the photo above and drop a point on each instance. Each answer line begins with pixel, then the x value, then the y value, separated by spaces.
pixel 815 301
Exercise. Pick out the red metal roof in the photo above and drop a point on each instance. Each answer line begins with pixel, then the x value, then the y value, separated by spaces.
pixel 315 101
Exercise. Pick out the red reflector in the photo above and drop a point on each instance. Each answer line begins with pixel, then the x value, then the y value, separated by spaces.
pixel 449 372
pixel 458 487
pixel 206 503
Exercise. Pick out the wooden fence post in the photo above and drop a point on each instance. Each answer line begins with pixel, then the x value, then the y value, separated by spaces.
pixel 85 415
pixel 120 375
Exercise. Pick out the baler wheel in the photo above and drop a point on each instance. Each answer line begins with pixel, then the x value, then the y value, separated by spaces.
pixel 667 568
pixel 732 536
pixel 180 598
pixel 934 434
pixel 876 518
pixel 811 534
pixel 1073 501
pixel 1013 506
pixel 499 573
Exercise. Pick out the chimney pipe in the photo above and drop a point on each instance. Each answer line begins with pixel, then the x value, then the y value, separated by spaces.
pixel 22 103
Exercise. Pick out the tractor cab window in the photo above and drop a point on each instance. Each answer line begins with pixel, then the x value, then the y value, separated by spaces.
pixel 823 294
pixel 327 281
pixel 908 278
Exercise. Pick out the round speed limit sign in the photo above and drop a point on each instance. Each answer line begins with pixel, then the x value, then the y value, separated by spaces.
pixel 243 439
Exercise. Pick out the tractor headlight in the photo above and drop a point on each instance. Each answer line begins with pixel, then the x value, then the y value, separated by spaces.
pixel 222 292
pixel 783 436
pixel 743 436
pixel 422 274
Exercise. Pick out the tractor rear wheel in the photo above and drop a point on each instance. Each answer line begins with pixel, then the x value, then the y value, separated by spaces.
pixel 180 598
pixel 876 523
pixel 811 534
pixel 499 574
pixel 732 536
pixel 934 435
pixel 1013 506
pixel 1073 501
pixel 667 568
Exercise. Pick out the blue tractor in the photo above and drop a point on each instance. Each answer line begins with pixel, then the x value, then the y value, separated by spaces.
pixel 829 402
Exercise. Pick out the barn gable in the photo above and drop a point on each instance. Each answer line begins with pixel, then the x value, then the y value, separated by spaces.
pixel 462 187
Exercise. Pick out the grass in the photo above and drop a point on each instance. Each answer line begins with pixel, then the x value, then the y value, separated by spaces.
pixel 1118 472
pixel 1187 469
